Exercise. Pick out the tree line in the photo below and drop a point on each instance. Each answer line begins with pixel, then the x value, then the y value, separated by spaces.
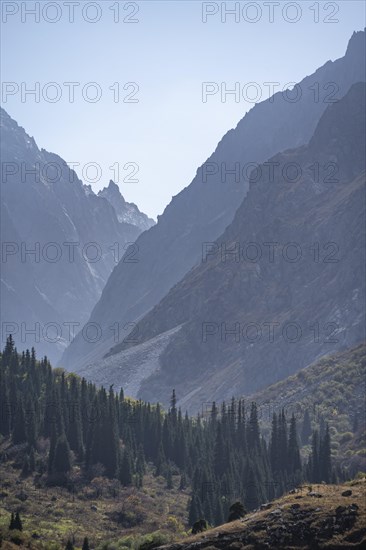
pixel 221 456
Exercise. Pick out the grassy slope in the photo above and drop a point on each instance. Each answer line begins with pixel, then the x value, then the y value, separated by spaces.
pixel 332 388
pixel 54 515
pixel 293 521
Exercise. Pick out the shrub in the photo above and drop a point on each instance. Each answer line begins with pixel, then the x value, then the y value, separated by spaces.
pixel 153 540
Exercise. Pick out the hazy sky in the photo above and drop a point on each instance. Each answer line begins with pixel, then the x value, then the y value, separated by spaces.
pixel 168 53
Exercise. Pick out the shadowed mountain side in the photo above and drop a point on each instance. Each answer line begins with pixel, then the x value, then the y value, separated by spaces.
pixel 246 324
pixel 58 243
pixel 203 210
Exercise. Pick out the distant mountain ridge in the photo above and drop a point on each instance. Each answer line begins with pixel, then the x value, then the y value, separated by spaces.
pixel 126 212
pixel 47 209
pixel 203 210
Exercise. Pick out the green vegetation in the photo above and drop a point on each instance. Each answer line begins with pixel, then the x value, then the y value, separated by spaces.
pixel 331 391
pixel 84 465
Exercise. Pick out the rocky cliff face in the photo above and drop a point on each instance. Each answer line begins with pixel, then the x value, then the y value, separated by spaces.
pixel 203 210
pixel 126 212
pixel 76 237
pixel 284 285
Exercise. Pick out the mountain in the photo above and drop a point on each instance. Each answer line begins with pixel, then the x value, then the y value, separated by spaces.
pixel 202 211
pixel 47 209
pixel 239 322
pixel 126 212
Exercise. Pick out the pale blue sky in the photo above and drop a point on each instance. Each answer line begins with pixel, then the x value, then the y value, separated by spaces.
pixel 168 53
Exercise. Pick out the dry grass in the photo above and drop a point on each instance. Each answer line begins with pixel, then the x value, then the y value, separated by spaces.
pixel 52 515
pixel 319 511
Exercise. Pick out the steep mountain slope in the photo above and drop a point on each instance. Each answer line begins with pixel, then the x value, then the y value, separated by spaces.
pixel 332 390
pixel 249 321
pixel 47 209
pixel 202 211
pixel 126 212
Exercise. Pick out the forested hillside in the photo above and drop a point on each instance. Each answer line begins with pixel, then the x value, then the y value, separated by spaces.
pixel 60 431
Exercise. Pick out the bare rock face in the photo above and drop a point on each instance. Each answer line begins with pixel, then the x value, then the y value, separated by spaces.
pixel 127 212
pixel 73 234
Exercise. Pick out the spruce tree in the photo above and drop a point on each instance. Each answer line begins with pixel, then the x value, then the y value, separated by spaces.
pixel 160 461
pixel 169 478
pixel 125 474
pixel 85 544
pixel 173 407
pixel 140 461
pixel 325 463
pixel 274 445
pixel 195 509
pixel 17 523
pixel 219 511
pixel 237 511
pixel 183 482
pixel 62 459
pixel 306 428
pixel 314 459
pixel 5 409
pixel 253 429
pixel 32 460
pixel 294 461
pixel 31 427
pixel 12 522
pixel 282 441
pixel 19 433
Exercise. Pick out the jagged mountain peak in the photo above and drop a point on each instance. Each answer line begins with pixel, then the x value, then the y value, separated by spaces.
pixel 112 189
pixel 357 42
pixel 126 212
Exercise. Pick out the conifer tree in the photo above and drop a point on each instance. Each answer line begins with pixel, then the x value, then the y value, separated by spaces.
pixel 282 441
pixel 19 433
pixel 195 509
pixel 32 460
pixel 183 482
pixel 160 461
pixel 12 522
pixel 4 407
pixel 173 407
pixel 15 522
pixel 219 512
pixel 31 428
pixel 140 461
pixel 253 429
pixel 62 459
pixel 274 444
pixel 169 478
pixel 325 464
pixel 237 511
pixel 125 474
pixel 306 428
pixel 314 468
pixel 294 461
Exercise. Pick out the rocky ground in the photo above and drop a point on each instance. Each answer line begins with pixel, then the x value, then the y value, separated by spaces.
pixel 321 516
